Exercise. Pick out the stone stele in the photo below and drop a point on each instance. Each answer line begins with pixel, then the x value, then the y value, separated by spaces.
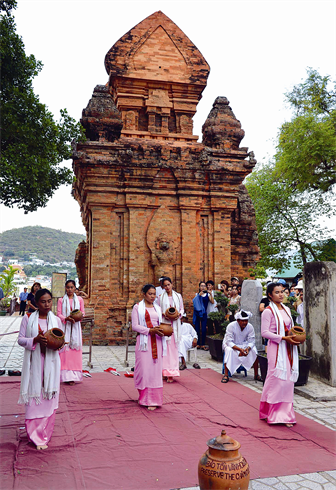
pixel 251 295
pixel 153 200
pixel 319 300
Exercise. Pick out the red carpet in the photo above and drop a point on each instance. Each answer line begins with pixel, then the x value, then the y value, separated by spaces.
pixel 104 440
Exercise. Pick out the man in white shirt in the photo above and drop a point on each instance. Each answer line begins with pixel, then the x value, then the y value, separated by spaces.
pixel 300 318
pixel 188 341
pixel 239 346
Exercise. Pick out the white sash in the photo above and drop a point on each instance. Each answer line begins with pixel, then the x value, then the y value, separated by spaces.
pixel 281 365
pixel 142 321
pixel 31 385
pixel 72 331
pixel 164 301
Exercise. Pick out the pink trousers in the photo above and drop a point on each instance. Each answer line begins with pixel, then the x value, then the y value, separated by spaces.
pixel 40 430
pixel 151 397
pixel 277 413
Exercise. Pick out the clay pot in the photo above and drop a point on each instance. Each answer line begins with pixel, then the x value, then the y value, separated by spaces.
pixel 171 313
pixel 55 338
pixel 77 315
pixel 299 333
pixel 222 466
pixel 167 329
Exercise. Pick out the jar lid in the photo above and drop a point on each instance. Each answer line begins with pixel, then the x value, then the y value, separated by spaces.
pixel 223 443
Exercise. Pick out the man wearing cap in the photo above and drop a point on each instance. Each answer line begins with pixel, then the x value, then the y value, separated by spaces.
pixel 239 346
pixel 234 281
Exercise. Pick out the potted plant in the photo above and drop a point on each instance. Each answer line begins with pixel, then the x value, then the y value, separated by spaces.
pixel 219 318
pixel 4 305
pixel 304 368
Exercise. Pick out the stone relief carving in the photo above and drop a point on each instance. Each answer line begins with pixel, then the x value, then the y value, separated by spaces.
pixel 162 244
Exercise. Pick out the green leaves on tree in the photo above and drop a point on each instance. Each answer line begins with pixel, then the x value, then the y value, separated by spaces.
pixel 33 144
pixel 306 150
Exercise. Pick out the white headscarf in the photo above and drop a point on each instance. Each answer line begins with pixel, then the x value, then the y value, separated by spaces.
pixel 238 315
pixel 31 385
pixel 164 301
pixel 73 332
pixel 142 321
pixel 281 365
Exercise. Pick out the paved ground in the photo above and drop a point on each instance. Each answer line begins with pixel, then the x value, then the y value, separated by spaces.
pixel 316 400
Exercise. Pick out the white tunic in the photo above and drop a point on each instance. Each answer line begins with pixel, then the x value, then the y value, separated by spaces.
pixel 235 336
pixel 188 334
pixel 212 307
pixel 300 318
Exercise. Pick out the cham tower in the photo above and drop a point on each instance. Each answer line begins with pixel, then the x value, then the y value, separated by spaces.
pixel 153 200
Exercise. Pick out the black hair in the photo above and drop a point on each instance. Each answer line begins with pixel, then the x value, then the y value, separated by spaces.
pixel 225 282
pixel 72 281
pixel 201 282
pixel 32 288
pixel 210 282
pixel 40 293
pixel 166 278
pixel 147 287
pixel 271 286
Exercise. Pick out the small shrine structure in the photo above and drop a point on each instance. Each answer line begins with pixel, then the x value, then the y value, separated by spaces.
pixel 155 201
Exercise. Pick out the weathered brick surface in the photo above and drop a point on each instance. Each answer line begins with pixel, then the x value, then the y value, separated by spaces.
pixel 153 200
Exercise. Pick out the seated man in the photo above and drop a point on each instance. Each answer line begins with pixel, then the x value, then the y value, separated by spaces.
pixel 188 341
pixel 239 346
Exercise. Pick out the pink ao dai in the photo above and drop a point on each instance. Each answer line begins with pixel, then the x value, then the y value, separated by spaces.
pixel 276 404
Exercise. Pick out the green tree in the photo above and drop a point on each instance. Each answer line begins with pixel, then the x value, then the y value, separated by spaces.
pixel 306 151
pixel 286 220
pixel 326 250
pixel 7 281
pixel 33 144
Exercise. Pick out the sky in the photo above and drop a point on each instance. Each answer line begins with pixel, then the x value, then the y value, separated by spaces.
pixel 257 51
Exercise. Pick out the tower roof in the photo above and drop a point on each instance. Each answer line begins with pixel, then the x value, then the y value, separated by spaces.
pixel 157 49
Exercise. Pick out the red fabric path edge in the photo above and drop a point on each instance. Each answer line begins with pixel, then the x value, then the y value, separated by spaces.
pixel 104 440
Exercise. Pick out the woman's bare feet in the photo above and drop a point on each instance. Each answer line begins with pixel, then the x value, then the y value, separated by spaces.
pixel 70 383
pixel 170 379
pixel 41 447
pixel 289 425
pixel 151 408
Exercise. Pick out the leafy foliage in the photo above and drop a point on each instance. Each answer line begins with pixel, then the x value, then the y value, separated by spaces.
pixel 306 151
pixel 7 281
pixel 33 144
pixel 48 244
pixel 286 220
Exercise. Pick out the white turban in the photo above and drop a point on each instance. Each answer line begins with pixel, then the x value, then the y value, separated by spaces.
pixel 238 315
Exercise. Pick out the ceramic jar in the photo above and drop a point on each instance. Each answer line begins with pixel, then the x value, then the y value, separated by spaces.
pixel 299 333
pixel 77 315
pixel 171 313
pixel 167 329
pixel 55 338
pixel 222 466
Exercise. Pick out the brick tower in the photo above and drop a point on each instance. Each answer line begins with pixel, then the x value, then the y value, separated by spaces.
pixel 153 200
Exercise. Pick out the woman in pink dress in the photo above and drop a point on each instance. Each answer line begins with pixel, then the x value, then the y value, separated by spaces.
pixel 149 349
pixel 167 299
pixel 71 355
pixel 40 379
pixel 276 405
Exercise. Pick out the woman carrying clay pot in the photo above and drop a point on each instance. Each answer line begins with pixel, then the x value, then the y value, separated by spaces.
pixel 40 378
pixel 71 356
pixel 170 298
pixel 149 350
pixel 276 405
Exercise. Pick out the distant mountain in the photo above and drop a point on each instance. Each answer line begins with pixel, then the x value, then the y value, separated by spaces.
pixel 48 244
